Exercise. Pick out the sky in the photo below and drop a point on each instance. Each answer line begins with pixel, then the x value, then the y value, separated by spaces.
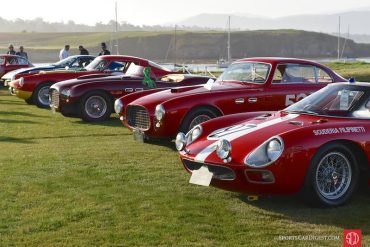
pixel 151 12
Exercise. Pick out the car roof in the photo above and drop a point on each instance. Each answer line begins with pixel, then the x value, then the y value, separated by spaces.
pixel 113 57
pixel 8 55
pixel 277 60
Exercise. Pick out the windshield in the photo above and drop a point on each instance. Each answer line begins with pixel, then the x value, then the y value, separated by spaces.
pixel 65 62
pixel 96 64
pixel 155 65
pixel 338 101
pixel 2 60
pixel 246 72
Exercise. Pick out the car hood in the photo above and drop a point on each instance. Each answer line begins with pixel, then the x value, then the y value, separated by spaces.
pixel 194 91
pixel 246 136
pixel 93 78
pixel 10 74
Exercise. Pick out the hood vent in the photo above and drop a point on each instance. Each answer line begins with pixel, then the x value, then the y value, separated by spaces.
pixel 298 123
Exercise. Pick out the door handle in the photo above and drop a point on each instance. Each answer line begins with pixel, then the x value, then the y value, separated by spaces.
pixel 252 100
pixel 129 90
pixel 239 101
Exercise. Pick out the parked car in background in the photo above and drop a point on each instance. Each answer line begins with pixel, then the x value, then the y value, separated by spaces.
pixel 12 62
pixel 319 146
pixel 71 63
pixel 34 88
pixel 92 97
pixel 248 85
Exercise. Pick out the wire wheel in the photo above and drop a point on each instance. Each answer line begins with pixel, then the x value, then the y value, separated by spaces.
pixel 95 106
pixel 198 120
pixel 43 95
pixel 333 175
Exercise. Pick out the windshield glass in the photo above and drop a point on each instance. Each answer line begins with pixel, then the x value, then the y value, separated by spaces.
pixel 96 64
pixel 339 101
pixel 246 72
pixel 65 62
pixel 2 60
pixel 155 65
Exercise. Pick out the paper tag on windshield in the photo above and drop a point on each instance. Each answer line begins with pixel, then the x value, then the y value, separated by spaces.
pixel 344 100
pixel 201 177
pixel 209 84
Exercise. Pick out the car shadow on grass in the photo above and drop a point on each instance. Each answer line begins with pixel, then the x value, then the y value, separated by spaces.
pixel 168 143
pixel 354 214
pixel 11 121
pixel 111 122
pixel 23 114
pixel 15 140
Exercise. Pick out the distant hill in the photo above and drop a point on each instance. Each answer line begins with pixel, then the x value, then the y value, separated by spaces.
pixel 328 23
pixel 190 46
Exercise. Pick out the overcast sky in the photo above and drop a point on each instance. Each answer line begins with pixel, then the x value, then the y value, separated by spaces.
pixel 150 12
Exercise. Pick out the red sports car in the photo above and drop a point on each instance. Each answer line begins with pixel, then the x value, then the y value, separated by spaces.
pixel 91 97
pixel 248 85
pixel 319 146
pixel 34 88
pixel 12 62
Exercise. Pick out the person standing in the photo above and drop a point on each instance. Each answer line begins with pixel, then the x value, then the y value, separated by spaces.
pixel 64 52
pixel 83 51
pixel 11 50
pixel 104 50
pixel 22 53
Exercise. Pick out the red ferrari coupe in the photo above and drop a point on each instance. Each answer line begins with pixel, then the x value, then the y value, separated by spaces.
pixel 319 146
pixel 253 84
pixel 34 88
pixel 12 62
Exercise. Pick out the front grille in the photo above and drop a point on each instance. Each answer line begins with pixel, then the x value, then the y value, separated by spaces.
pixel 219 172
pixel 137 117
pixel 54 100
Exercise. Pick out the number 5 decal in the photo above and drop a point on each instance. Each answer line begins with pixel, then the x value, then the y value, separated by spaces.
pixel 292 98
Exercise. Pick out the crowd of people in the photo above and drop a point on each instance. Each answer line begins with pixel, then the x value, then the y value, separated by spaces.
pixel 64 53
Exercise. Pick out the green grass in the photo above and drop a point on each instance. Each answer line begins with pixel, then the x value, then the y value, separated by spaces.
pixel 358 70
pixel 68 183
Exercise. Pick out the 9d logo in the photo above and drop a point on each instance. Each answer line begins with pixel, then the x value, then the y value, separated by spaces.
pixel 352 238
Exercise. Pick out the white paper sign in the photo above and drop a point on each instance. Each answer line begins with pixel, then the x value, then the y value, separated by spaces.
pixel 201 177
pixel 209 84
pixel 344 100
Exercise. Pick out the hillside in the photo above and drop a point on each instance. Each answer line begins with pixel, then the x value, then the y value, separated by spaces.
pixel 190 46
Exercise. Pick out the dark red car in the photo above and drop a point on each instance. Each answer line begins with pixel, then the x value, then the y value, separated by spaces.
pixel 92 97
pixel 12 62
pixel 248 85
pixel 319 147
pixel 34 88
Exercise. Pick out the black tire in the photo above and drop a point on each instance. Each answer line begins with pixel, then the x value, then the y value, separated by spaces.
pixel 37 96
pixel 101 97
pixel 29 101
pixel 190 119
pixel 313 193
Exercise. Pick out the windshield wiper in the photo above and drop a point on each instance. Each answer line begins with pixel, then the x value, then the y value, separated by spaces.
pixel 303 112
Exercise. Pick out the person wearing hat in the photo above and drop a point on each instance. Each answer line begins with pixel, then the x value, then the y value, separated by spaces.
pixel 104 50
pixel 22 53
pixel 11 50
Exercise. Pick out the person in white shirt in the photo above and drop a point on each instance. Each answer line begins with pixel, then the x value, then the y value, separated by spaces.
pixel 64 52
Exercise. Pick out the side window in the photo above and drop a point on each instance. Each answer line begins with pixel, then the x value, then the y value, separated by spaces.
pixel 294 73
pixel 22 61
pixel 116 66
pixel 11 60
pixel 323 77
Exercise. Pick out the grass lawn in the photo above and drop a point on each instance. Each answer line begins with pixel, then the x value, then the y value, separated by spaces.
pixel 68 183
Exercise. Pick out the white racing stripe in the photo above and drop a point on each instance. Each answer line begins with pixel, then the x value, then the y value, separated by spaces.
pixel 201 157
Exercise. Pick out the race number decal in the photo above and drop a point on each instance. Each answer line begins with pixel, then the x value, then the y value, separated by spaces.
pixel 290 99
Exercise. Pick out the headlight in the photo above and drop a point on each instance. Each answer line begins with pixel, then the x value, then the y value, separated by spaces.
pixel 194 134
pixel 21 82
pixel 266 153
pixel 66 92
pixel 118 106
pixel 159 112
pixel 223 149
pixel 180 141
